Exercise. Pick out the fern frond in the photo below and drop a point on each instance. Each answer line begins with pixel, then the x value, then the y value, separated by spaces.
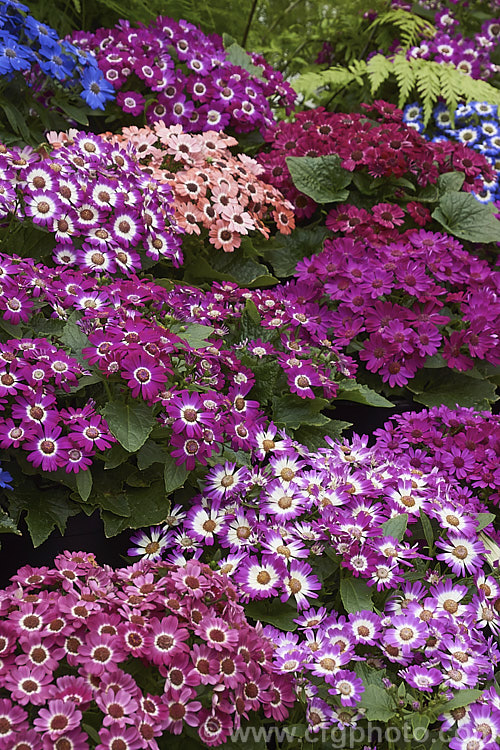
pixel 405 77
pixel 428 84
pixel 378 68
pixel 410 26
pixel 335 78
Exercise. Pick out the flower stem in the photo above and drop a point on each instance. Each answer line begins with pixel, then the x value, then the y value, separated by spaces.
pixel 249 22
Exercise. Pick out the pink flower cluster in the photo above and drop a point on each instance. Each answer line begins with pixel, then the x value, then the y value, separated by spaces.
pixel 419 297
pixel 96 658
pixel 387 149
pixel 94 198
pixel 184 77
pixel 212 188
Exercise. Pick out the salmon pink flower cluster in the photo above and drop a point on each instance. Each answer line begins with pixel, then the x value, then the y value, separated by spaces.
pixel 372 150
pixel 423 296
pixel 213 189
pixel 181 76
pixel 93 657
pixel 93 197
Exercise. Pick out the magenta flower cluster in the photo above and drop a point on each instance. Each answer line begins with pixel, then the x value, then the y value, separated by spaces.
pixel 376 149
pixel 96 200
pixel 33 373
pixel 187 74
pixel 420 297
pixel 460 443
pixel 130 327
pixel 72 636
pixel 472 56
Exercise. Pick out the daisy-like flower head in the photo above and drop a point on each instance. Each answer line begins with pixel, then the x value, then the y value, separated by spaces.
pixel 216 633
pixel 260 578
pixel 300 583
pixel 463 555
pixel 149 545
pixel 348 686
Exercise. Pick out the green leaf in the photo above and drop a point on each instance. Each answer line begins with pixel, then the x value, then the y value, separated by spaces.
pixel 449 388
pixel 356 595
pixel 129 423
pixel 350 390
pixel 280 615
pixel 284 251
pixel 396 526
pixel 75 339
pixel 484 520
pixel 7 524
pixel 419 724
pixel 314 437
pixel 84 484
pixel 463 216
pixel 369 675
pixel 322 178
pixel 46 511
pixel 174 476
pixel 238 56
pixel 378 703
pixel 293 412
pixel 16 119
pixel 76 113
pixel 450 182
pixel 251 311
pixel 427 527
pixel 148 506
pixel 15 331
pixel 463 698
pixel 115 456
pixel 150 453
pixel 244 271
pixel 195 334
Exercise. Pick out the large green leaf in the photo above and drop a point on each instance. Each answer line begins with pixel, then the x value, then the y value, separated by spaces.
pixel 48 510
pixel 280 615
pixel 436 387
pixel 75 339
pixel 378 703
pixel 284 251
pixel 463 698
pixel 243 270
pixel 150 453
pixel 396 526
pixel 238 56
pixel 195 334
pixel 147 506
pixel 294 412
pixel 84 484
pixel 356 595
pixel 463 216
pixel 7 524
pixel 350 390
pixel 173 476
pixel 314 437
pixel 322 178
pixel 129 423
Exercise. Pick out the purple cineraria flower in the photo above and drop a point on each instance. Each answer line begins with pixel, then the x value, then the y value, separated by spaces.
pixel 301 583
pixel 348 686
pixel 149 545
pixel 260 579
pixel 462 555
pixel 421 678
